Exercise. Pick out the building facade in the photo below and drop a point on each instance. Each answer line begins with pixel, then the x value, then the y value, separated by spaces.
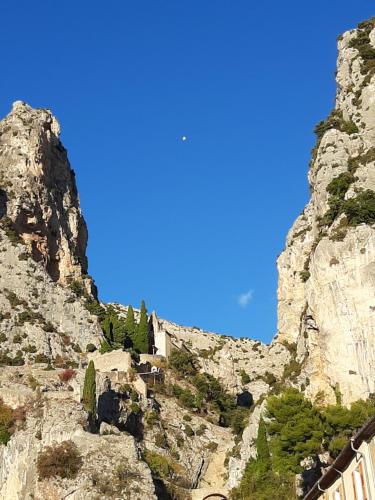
pixel 352 474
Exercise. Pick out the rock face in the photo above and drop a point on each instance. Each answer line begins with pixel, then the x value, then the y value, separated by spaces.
pixel 327 270
pixel 42 245
pixel 38 194
pixel 39 317
pixel 111 466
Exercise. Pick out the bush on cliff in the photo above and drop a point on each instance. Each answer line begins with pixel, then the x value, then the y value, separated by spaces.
pixel 63 460
pixel 10 421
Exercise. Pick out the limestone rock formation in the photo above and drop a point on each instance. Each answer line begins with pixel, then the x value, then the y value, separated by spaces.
pixel 146 418
pixel 111 465
pixel 327 270
pixel 42 241
pixel 38 193
pixel 39 319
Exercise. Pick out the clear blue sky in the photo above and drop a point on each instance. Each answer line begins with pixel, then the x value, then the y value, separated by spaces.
pixel 188 226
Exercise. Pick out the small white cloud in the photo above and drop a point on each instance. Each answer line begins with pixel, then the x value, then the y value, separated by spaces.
pixel 245 298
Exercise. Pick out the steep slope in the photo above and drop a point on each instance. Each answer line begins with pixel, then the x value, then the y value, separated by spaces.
pixel 327 270
pixel 244 367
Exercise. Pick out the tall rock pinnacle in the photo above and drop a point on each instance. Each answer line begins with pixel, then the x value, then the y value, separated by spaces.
pixel 38 195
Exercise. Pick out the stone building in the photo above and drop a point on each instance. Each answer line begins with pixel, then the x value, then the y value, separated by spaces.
pixel 161 341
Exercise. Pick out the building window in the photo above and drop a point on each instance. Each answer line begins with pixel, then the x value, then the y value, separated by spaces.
pixel 359 485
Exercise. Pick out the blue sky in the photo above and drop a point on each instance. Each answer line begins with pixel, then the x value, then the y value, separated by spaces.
pixel 193 227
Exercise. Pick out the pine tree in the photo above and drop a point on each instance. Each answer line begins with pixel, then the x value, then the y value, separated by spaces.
pixel 89 390
pixel 141 334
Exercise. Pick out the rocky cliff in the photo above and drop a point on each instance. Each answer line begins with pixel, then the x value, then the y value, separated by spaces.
pixel 38 193
pixel 163 428
pixel 326 302
pixel 43 285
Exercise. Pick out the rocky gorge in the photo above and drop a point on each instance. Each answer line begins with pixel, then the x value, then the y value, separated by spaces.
pixel 161 433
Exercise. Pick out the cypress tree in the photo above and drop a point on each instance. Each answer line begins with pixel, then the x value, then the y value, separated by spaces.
pixel 114 328
pixel 89 391
pixel 263 451
pixel 141 334
pixel 130 326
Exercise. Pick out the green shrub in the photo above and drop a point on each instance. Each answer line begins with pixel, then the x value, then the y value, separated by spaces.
pixel 28 317
pixel 152 418
pixel 5 359
pixel 62 460
pixel 134 396
pixel 304 275
pixel 335 121
pixel 77 288
pixel 115 485
pixel 17 339
pixel 360 209
pixel 161 440
pixel 185 397
pixel 41 358
pixel 11 231
pixel 201 430
pixel 6 421
pixel 94 308
pixel 135 408
pixel 90 348
pixel 76 347
pixel 366 51
pixel 292 370
pixel 237 419
pixel 245 379
pixel 183 363
pixel 18 359
pixel 189 430
pixel 10 421
pixel 340 184
pixel 48 327
pixel 14 301
pixel 159 464
pixel 212 446
pixel 31 349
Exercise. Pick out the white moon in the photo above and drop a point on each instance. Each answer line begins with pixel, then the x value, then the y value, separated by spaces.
pixel 184 137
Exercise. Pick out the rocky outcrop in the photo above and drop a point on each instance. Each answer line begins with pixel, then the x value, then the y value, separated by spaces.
pixel 42 241
pixel 111 465
pixel 38 193
pixel 327 270
pixel 227 358
pixel 40 320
